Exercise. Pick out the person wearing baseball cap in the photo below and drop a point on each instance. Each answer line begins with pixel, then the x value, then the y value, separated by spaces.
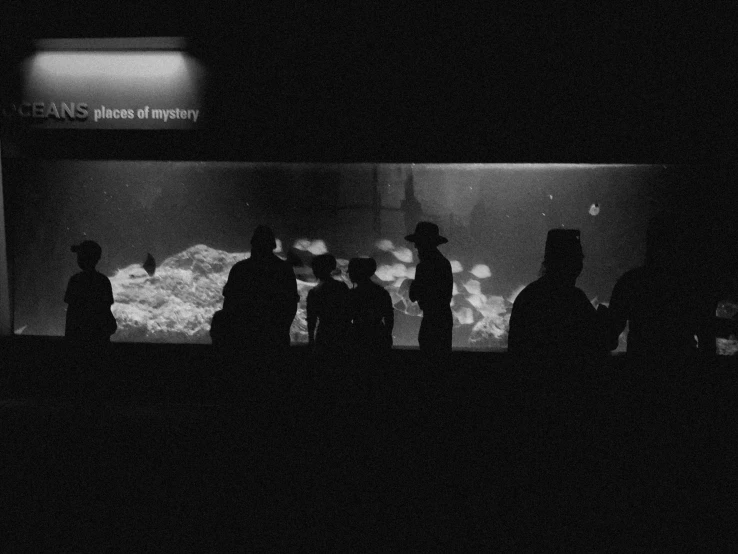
pixel 432 289
pixel 89 297
pixel 89 325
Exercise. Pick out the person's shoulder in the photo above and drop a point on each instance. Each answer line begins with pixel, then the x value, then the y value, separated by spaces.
pixel 528 290
pixel 438 258
pixel 380 294
pixel 277 262
pixel 73 286
pixel 580 294
pixel 241 265
pixel 338 285
pixel 102 277
pixel 633 277
pixel 530 294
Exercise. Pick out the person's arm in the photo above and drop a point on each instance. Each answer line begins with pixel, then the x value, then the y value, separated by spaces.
pixel 70 321
pixel 293 297
pixel 516 328
pixel 70 295
pixel 352 308
pixel 311 317
pixel 108 322
pixel 417 285
pixel 228 290
pixel 595 330
pixel 110 300
pixel 617 315
pixel 286 297
pixel 412 292
pixel 707 325
pixel 449 283
pixel 389 316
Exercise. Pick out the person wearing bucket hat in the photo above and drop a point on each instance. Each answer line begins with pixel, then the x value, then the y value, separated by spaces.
pixel 432 289
pixel 260 297
pixel 551 317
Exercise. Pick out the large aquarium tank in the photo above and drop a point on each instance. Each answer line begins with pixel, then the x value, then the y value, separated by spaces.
pixel 196 221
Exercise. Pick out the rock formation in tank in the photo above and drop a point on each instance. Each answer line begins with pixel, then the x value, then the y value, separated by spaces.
pixel 177 303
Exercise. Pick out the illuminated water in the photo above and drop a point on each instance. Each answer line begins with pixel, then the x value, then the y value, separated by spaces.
pixel 196 219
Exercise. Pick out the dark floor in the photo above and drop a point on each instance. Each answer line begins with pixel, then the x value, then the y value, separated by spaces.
pixel 473 459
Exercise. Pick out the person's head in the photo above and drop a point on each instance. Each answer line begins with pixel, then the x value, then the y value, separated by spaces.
pixel 361 269
pixel 426 237
pixel 88 254
pixel 563 257
pixel 323 266
pixel 263 241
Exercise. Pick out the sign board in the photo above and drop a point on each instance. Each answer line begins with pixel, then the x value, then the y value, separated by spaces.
pixel 108 89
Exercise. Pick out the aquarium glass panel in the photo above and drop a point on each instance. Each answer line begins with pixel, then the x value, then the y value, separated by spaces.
pixel 196 220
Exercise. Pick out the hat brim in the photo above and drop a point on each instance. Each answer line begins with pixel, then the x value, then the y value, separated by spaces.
pixel 421 238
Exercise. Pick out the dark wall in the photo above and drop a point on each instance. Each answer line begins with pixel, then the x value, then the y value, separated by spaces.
pixel 293 82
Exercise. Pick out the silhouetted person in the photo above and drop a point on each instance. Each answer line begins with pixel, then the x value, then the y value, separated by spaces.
pixel 328 318
pixel 432 289
pixel 551 318
pixel 658 301
pixel 372 320
pixel 89 296
pixel 372 314
pixel 260 298
pixel 89 322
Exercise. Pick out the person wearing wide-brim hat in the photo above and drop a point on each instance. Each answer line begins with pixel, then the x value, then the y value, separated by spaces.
pixel 551 318
pixel 426 233
pixel 432 289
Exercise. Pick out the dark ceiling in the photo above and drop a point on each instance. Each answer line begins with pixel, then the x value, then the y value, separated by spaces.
pixel 464 85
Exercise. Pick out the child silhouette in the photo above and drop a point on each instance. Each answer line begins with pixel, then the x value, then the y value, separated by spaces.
pixel 327 310
pixel 372 313
pixel 89 296
pixel 372 317
pixel 88 328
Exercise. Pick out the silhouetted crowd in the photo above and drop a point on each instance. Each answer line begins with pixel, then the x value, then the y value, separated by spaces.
pixel 551 319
